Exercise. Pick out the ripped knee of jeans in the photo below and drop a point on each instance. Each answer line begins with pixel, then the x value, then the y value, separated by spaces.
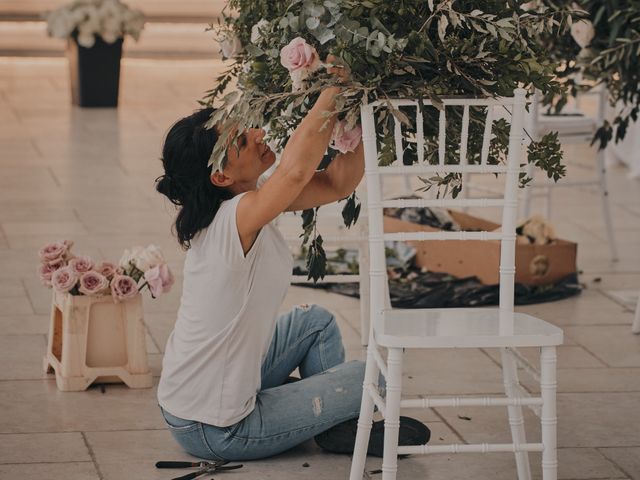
pixel 317 406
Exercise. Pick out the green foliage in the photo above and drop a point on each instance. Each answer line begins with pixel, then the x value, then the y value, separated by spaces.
pixel 402 49
pixel 351 210
pixel 316 259
pixel 547 155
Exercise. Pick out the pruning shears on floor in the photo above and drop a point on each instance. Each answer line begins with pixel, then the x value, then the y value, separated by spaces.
pixel 205 467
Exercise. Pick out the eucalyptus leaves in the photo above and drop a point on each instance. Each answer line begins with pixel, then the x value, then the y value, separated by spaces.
pixel 411 49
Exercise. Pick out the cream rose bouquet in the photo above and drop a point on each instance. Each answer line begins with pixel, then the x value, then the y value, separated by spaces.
pixel 410 49
pixel 80 275
pixel 109 19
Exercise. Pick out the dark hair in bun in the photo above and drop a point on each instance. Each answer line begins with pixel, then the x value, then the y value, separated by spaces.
pixel 186 181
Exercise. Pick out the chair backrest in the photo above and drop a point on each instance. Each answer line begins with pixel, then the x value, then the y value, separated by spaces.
pixel 439 147
pixel 579 118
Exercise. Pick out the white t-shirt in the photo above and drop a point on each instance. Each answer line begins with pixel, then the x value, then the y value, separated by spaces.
pixel 228 310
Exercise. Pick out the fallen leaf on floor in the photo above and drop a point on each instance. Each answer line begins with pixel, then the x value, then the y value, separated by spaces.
pixel 464 417
pixel 305 464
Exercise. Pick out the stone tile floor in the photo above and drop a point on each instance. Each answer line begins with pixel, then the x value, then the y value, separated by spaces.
pixel 87 174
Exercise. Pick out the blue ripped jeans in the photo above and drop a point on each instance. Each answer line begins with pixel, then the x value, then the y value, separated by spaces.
pixel 285 415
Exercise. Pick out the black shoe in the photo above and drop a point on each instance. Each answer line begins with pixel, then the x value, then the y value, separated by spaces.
pixel 341 438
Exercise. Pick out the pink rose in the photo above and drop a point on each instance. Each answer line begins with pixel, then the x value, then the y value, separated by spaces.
pixel 123 287
pixel 93 283
pixel 64 279
pixel 57 263
pixel 299 54
pixel 159 279
pixel 55 250
pixel 345 141
pixel 108 269
pixel 81 264
pixel 45 270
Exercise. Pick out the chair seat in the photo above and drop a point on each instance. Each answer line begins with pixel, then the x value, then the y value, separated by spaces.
pixel 461 328
pixel 567 125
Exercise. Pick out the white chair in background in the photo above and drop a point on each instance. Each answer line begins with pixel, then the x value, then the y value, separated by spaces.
pixel 574 126
pixel 398 329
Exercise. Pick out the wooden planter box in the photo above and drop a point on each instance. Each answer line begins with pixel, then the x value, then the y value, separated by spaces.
pixel 94 339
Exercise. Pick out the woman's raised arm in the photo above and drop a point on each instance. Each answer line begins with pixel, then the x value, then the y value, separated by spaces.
pixel 298 163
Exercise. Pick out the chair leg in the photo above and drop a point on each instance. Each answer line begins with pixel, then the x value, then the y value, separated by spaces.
pixel 548 418
pixel 635 328
pixel 527 193
pixel 392 414
pixel 606 209
pixel 364 287
pixel 365 420
pixel 516 420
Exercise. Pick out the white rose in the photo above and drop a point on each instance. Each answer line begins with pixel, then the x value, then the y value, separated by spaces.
pixel 134 25
pixel 583 32
pixel 78 16
pixel 90 23
pixel 539 230
pixel 111 30
pixel 256 35
pixel 86 38
pixel 129 256
pixel 230 46
pixel 149 258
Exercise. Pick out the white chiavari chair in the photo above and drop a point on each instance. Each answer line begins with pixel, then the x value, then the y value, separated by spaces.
pixel 398 329
pixel 574 126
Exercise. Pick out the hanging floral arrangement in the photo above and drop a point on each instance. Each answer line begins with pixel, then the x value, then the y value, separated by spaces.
pixel 408 49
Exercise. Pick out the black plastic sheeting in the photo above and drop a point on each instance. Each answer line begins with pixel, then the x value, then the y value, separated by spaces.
pixel 412 288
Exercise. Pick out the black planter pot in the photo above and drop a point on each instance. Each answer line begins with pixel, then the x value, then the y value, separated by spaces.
pixel 95 72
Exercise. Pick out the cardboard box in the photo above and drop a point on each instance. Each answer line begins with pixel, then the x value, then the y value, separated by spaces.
pixel 535 264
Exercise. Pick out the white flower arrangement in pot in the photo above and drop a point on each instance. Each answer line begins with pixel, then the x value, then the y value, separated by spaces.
pixel 84 19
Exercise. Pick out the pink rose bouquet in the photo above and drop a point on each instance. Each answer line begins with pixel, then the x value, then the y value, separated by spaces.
pixel 79 275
